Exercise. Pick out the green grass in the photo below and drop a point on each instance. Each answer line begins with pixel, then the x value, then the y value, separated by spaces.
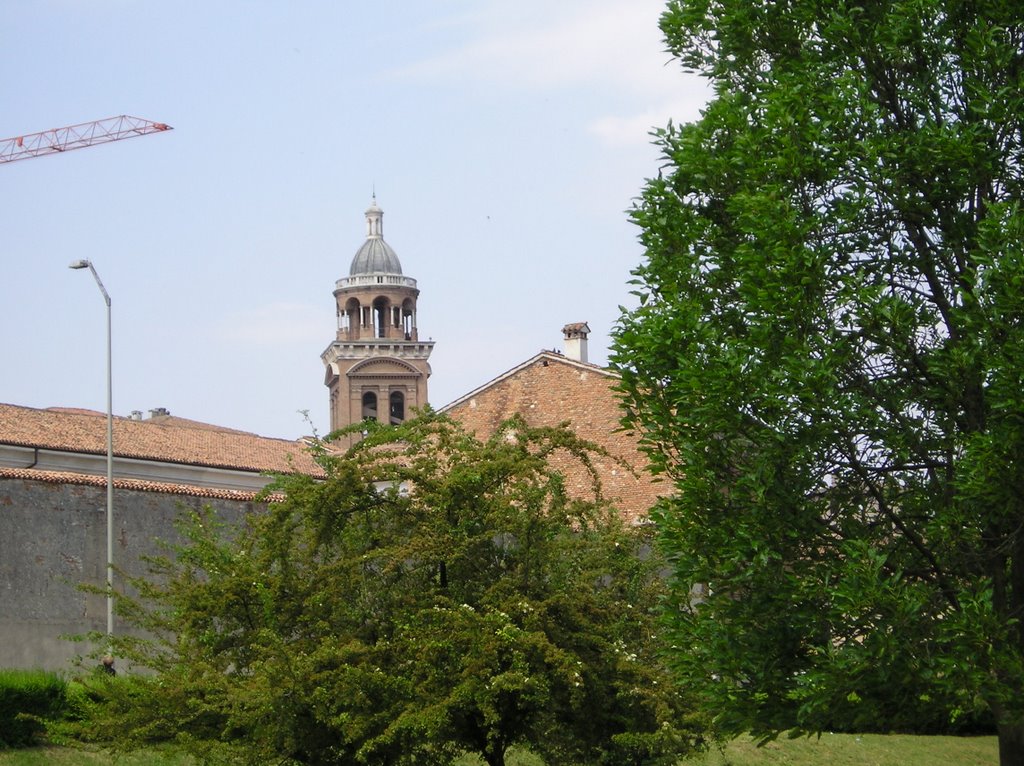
pixel 514 757
pixel 857 750
pixel 66 756
pixel 830 749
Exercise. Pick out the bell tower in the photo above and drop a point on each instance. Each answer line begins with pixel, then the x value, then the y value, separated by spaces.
pixel 376 368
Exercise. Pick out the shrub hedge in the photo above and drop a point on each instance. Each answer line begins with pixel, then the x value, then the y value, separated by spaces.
pixel 27 698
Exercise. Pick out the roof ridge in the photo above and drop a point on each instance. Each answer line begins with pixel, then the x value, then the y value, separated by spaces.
pixel 543 354
pixel 144 485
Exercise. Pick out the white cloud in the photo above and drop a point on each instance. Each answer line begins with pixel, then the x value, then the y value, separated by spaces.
pixel 617 130
pixel 608 43
pixel 612 47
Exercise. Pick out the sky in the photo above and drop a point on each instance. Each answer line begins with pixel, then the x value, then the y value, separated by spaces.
pixel 504 140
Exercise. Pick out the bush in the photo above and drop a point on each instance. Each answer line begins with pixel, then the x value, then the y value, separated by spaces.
pixel 77 701
pixel 27 698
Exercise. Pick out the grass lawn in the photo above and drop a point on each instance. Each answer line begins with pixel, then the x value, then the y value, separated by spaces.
pixel 857 750
pixel 830 749
pixel 66 756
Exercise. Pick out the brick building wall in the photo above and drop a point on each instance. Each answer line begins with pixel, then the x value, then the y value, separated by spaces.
pixel 550 389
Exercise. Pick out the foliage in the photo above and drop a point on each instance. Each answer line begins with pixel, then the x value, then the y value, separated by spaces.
pixel 827 359
pixel 435 595
pixel 27 698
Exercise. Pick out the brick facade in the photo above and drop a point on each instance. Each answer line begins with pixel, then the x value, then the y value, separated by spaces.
pixel 550 389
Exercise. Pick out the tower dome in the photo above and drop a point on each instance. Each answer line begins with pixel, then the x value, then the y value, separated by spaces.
pixel 375 256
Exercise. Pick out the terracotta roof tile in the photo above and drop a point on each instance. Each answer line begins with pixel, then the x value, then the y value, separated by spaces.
pixel 64 477
pixel 167 439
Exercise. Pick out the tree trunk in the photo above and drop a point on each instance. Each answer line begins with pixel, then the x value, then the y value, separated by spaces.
pixel 1011 744
pixel 1011 727
pixel 496 757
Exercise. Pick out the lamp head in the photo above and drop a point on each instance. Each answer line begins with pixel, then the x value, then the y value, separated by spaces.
pixel 78 265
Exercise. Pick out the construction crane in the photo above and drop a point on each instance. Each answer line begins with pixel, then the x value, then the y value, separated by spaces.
pixel 76 137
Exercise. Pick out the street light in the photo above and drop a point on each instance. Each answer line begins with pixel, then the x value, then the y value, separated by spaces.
pixel 84 264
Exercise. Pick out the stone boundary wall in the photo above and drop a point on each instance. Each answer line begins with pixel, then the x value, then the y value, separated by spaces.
pixel 53 536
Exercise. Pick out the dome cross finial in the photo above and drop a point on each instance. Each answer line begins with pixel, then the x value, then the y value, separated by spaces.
pixel 375 256
pixel 374 219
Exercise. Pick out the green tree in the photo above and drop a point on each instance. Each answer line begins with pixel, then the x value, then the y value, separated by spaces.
pixel 435 595
pixel 827 359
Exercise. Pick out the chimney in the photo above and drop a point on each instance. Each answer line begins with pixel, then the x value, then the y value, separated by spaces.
pixel 136 414
pixel 158 411
pixel 576 341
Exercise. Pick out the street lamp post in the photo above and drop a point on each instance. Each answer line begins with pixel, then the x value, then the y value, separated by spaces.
pixel 85 264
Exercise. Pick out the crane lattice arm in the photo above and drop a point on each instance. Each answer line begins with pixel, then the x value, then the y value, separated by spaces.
pixel 76 137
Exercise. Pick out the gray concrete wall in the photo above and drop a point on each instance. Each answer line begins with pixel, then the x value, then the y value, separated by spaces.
pixel 53 537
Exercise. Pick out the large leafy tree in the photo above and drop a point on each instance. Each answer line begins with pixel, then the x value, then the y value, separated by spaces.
pixel 828 360
pixel 435 595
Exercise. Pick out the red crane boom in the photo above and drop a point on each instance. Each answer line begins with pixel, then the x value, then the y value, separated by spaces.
pixel 76 137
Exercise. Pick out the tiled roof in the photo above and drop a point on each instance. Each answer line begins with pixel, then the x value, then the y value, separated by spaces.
pixel 84 479
pixel 550 389
pixel 163 438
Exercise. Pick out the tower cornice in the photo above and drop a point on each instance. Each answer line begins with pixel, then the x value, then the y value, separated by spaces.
pixel 369 349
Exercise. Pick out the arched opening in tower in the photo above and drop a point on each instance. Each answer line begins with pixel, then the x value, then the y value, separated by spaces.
pixel 350 318
pixel 381 308
pixel 397 412
pixel 409 319
pixel 369 405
